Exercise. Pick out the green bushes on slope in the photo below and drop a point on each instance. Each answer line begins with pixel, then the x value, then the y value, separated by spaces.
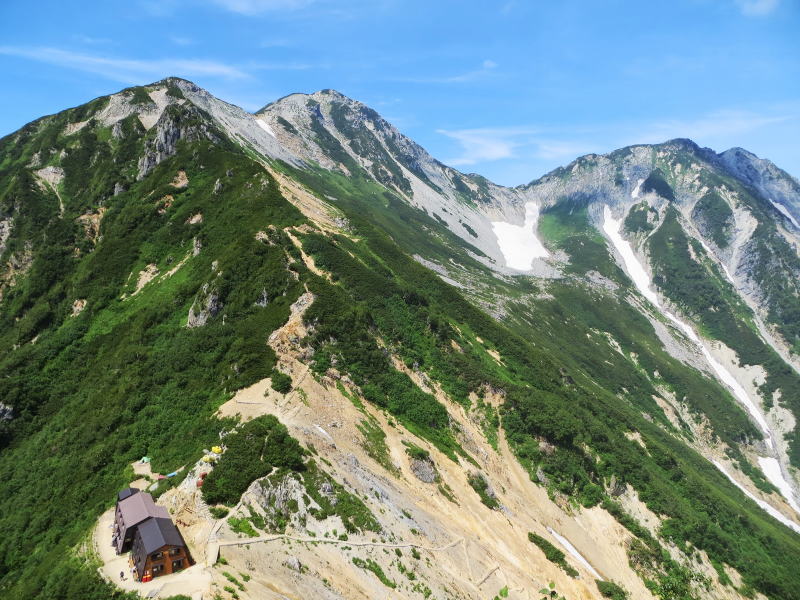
pixel 126 378
pixel 553 554
pixel 252 451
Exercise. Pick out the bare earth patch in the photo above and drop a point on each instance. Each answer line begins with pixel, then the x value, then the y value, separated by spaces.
pixel 146 275
pixel 467 549
pixel 181 180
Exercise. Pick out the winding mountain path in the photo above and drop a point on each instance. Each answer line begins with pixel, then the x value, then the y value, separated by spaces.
pixel 314 540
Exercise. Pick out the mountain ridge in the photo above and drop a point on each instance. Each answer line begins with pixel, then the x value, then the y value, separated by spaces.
pixel 152 247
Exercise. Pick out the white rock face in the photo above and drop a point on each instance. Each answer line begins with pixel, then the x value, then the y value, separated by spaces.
pixel 119 107
pixel 52 175
pixel 5 232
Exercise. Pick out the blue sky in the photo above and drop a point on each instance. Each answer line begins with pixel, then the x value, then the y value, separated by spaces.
pixel 507 89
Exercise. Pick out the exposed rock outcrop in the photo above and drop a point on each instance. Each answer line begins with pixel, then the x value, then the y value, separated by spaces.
pixel 206 306
pixel 78 306
pixel 17 266
pixel 293 563
pixel 91 223
pixel 5 231
pixel 424 470
pixel 175 124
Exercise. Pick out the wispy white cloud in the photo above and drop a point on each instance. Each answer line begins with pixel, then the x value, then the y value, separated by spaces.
pixel 486 69
pixel 507 7
pixel 257 7
pixel 123 69
pixel 479 145
pixel 86 39
pixel 180 40
pixel 757 8
pixel 492 144
pixel 556 149
pixel 127 70
pixel 721 123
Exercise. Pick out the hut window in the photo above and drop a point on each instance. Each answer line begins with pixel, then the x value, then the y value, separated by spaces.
pixel 177 564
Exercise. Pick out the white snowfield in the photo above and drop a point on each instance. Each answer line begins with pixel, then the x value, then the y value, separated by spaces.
pixel 785 212
pixel 772 469
pixel 635 192
pixel 768 508
pixel 265 126
pixel 574 552
pixel 770 466
pixel 721 264
pixel 519 243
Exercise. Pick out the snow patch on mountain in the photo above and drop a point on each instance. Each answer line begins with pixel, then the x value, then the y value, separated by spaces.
pixel 768 508
pixel 635 269
pixel 785 212
pixel 635 192
pixel 519 243
pixel 641 280
pixel 565 543
pixel 265 126
pixel 772 469
pixel 721 264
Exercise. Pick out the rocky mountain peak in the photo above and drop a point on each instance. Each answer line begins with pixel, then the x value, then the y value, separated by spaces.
pixel 773 183
pixel 329 123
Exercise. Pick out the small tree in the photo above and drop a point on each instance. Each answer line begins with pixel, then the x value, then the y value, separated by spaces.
pixel 281 382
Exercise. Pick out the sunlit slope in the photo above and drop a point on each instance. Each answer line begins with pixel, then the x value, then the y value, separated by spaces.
pixel 158 243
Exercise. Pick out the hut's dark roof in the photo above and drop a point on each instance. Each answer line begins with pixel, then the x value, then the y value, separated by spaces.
pixel 157 532
pixel 138 507
pixel 127 492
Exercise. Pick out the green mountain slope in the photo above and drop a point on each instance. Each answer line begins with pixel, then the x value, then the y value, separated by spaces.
pixel 148 262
